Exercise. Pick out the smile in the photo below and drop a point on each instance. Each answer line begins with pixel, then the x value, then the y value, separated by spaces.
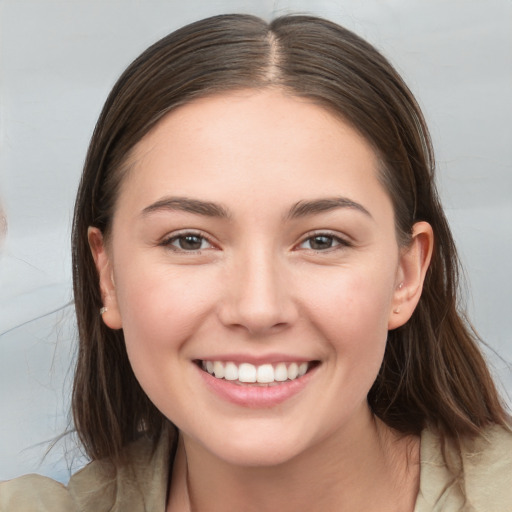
pixel 247 373
pixel 263 385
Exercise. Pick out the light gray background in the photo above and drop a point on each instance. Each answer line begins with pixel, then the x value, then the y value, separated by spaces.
pixel 59 59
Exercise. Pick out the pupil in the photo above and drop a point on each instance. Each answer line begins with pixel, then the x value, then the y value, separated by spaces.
pixel 190 242
pixel 321 242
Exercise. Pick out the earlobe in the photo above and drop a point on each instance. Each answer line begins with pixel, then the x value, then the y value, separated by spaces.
pixel 109 310
pixel 413 266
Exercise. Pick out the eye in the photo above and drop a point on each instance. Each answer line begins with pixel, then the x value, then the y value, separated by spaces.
pixel 187 242
pixel 322 242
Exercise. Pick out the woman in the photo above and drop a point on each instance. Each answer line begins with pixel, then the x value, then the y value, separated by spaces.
pixel 265 286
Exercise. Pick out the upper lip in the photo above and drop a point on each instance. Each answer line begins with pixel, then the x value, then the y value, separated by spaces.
pixel 257 360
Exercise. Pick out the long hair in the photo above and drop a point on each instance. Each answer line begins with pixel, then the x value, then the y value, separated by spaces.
pixel 433 372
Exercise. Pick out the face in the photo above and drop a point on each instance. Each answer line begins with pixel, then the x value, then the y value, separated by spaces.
pixel 252 241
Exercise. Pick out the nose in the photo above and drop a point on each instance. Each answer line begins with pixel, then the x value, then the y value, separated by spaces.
pixel 258 296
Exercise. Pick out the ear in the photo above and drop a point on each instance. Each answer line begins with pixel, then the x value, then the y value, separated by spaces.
pixel 412 268
pixel 111 315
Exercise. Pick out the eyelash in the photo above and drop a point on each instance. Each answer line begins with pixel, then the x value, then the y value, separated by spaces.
pixel 169 242
pixel 340 242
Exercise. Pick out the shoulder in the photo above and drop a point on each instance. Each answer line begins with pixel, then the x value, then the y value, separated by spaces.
pixel 473 474
pixel 33 493
pixel 487 469
pixel 139 482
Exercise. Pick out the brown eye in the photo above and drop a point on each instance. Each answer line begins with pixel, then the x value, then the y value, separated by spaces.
pixel 188 242
pixel 322 242
pixel 319 243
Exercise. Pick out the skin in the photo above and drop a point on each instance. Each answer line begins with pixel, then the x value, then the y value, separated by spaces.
pixel 259 286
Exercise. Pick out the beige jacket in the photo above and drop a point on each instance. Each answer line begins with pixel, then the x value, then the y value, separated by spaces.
pixel 141 484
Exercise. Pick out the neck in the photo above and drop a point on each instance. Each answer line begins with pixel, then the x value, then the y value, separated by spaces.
pixel 368 469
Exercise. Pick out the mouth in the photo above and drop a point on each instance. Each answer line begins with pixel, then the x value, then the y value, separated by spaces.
pixel 257 375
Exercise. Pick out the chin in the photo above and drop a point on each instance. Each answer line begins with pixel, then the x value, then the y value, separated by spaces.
pixel 257 455
pixel 259 448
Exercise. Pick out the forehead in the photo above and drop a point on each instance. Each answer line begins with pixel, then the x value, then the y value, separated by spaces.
pixel 249 141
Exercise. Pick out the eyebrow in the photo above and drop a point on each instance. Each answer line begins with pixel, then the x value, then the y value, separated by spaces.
pixel 185 204
pixel 305 208
pixel 210 209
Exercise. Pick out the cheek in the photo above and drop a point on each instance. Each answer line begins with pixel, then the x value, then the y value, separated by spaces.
pixel 356 300
pixel 161 309
pixel 351 309
pixel 161 312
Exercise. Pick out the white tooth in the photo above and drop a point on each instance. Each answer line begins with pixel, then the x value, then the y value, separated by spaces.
pixel 247 372
pixel 293 371
pixel 218 369
pixel 209 367
pixel 231 371
pixel 303 368
pixel 265 373
pixel 280 372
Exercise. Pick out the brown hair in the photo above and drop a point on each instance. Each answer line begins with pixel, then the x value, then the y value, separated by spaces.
pixel 433 372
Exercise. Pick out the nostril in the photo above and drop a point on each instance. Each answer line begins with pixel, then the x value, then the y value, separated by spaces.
pixel 256 321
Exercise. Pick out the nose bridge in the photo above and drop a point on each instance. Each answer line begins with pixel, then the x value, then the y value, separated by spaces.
pixel 257 296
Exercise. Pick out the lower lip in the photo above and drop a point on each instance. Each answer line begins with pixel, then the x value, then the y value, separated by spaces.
pixel 256 397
